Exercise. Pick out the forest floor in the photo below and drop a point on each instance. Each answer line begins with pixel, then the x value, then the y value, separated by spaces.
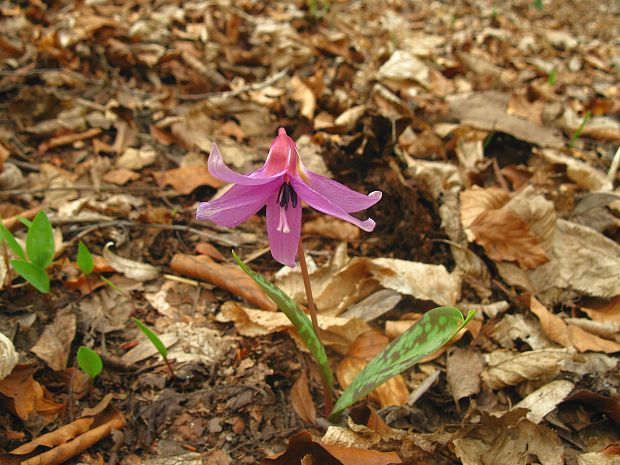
pixel 492 130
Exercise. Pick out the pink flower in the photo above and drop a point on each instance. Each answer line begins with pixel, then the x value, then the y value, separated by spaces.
pixel 281 184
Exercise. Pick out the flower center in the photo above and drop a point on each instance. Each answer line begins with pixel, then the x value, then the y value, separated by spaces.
pixel 285 194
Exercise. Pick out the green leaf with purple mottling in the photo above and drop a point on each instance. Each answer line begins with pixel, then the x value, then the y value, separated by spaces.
pixel 300 320
pixel 433 330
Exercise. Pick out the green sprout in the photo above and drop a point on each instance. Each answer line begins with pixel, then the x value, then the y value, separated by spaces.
pixel 435 329
pixel 32 264
pixel 84 259
pixel 154 338
pixel 553 77
pixel 579 130
pixel 89 362
pixel 538 4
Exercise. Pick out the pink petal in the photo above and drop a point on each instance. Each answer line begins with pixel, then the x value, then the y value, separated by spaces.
pixel 329 206
pixel 347 199
pixel 283 245
pixel 237 204
pixel 218 168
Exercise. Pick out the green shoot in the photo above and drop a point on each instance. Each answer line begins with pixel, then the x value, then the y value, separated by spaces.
pixel 89 362
pixel 538 4
pixel 85 259
pixel 40 248
pixel 579 130
pixel 161 348
pixel 553 77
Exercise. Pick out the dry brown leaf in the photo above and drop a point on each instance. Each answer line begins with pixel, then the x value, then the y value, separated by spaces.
pixel 8 356
pixel 225 276
pixel 135 159
pixel 582 173
pixel 337 333
pixel 130 268
pixel 28 399
pixel 506 237
pixel 604 311
pixel 303 95
pixel 332 228
pixel 67 139
pixel 187 178
pixel 301 445
pixel 545 399
pixel 505 368
pixel 609 405
pixel 302 401
pixel 598 458
pixel 464 367
pixel 476 201
pixel 364 348
pixel 54 345
pixel 68 440
pixel 121 176
pixel 569 335
pixel 146 349
pixel 509 440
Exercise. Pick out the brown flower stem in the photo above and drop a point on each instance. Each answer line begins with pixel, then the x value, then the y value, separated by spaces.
pixel 315 322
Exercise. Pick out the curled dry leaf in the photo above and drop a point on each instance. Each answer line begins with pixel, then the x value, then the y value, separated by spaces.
pixel 332 228
pixel 302 401
pixel 28 399
pixel 8 356
pixel 509 368
pixel 570 335
pixel 337 333
pixel 603 311
pixel 54 345
pixel 130 268
pixel 545 399
pixel 226 276
pixel 69 440
pixel 509 440
pixel 301 445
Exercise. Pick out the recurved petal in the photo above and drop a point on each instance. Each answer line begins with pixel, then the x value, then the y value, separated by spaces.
pixel 283 245
pixel 237 204
pixel 218 168
pixel 328 206
pixel 347 199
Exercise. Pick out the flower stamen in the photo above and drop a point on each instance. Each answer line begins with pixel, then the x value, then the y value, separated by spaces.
pixel 283 226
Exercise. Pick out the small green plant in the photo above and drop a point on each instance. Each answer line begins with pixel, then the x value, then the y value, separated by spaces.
pixel 315 12
pixel 579 130
pixel 89 362
pixel 435 329
pixel 553 77
pixel 85 260
pixel 154 338
pixel 32 264
pixel 538 4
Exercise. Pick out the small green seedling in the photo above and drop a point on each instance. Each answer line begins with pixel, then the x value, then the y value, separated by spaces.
pixel 84 259
pixel 154 338
pixel 579 130
pixel 89 362
pixel 32 264
pixel 538 4
pixel 553 77
pixel 435 329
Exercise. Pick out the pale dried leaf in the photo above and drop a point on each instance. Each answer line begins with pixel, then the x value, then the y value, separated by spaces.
pixel 54 345
pixel 303 95
pixel 187 178
pixel 598 458
pixel 545 399
pixel 464 367
pixel 8 356
pixel 302 401
pixel 146 349
pixel 130 268
pixel 136 159
pixel 582 173
pixel 476 201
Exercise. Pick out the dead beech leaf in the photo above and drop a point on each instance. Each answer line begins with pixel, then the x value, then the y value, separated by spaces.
pixel 570 335
pixel 364 348
pixel 225 276
pixel 506 237
pixel 68 440
pixel 598 458
pixel 608 405
pixel 54 345
pixel 8 356
pixel 477 200
pixel 303 95
pixel 508 440
pixel 130 268
pixel 67 139
pixel 505 368
pixel 136 159
pixel 187 178
pixel 545 399
pixel 146 349
pixel 302 401
pixel 604 311
pixel 28 399
pixel 464 367
pixel 121 176
pixel 337 333
pixel 301 445
pixel 332 228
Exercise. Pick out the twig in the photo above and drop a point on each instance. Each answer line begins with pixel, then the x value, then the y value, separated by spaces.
pixel 10 192
pixel 241 90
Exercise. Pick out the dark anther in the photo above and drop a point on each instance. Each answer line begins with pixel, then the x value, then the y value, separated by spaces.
pixel 285 193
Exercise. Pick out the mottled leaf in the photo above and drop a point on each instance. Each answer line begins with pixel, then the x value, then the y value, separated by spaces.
pixel 300 320
pixel 432 331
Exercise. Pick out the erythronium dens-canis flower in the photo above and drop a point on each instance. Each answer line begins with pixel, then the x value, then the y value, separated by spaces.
pixel 281 184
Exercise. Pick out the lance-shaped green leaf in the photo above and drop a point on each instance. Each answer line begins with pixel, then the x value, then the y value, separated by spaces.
pixel 154 338
pixel 33 274
pixel 40 241
pixel 433 330
pixel 89 362
pixel 300 320
pixel 84 259
pixel 11 241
